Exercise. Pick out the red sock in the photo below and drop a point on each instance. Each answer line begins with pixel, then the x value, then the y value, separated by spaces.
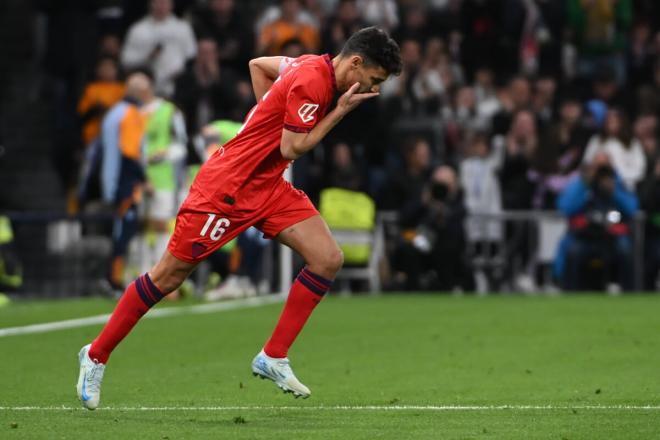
pixel 307 291
pixel 137 299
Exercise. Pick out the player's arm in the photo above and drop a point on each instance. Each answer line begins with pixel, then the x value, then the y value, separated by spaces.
pixel 263 72
pixel 293 145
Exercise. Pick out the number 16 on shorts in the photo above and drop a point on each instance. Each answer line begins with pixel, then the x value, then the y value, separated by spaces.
pixel 219 228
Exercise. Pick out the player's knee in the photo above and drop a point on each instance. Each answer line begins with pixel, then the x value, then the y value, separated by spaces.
pixel 334 260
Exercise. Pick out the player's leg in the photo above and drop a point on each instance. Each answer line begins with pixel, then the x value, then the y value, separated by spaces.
pixel 311 238
pixel 140 295
pixel 200 230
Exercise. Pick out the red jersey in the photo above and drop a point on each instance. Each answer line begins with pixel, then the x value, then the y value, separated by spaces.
pixel 248 169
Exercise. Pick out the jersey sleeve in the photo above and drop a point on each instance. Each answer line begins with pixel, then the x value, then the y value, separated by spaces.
pixel 303 103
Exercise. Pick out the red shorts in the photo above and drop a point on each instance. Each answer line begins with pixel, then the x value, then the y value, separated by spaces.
pixel 202 227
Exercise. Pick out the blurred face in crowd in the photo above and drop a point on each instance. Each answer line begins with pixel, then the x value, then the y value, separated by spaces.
pixel 410 53
pixel 347 12
pixel 290 9
pixel 419 158
pixel 570 111
pixel 479 146
pixel 445 175
pixel 601 159
pixel 435 51
pixel 106 70
pixel 293 49
pixel 484 78
pixel 641 32
pixel 646 126
pixel 415 18
pixel 207 52
pixel 110 45
pixel 523 126
pixel 520 92
pixel 605 89
pixel 465 98
pixel 222 7
pixel 341 156
pixel 138 85
pixel 160 9
pixel 613 123
pixel 545 89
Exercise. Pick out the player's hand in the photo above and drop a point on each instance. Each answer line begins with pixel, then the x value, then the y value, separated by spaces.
pixel 351 99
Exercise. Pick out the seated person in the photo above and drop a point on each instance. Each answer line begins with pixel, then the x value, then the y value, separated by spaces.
pixel 599 209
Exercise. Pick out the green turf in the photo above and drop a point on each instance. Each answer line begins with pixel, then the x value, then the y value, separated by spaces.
pixel 388 351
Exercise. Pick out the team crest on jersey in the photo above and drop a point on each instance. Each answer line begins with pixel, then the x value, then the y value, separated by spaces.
pixel 306 112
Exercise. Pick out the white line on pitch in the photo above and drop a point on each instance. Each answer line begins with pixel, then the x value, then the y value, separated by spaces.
pixel 157 313
pixel 351 408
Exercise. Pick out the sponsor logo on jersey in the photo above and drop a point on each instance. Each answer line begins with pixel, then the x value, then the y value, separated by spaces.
pixel 306 112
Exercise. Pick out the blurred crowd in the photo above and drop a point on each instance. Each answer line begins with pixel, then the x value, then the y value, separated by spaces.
pixel 502 105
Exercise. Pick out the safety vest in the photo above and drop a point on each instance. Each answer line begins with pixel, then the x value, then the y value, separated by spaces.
pixel 158 139
pixel 352 210
pixel 228 130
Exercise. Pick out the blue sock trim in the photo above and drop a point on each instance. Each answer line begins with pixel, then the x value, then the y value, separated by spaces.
pixel 146 299
pixel 155 291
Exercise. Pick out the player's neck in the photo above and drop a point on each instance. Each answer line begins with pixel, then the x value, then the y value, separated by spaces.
pixel 340 72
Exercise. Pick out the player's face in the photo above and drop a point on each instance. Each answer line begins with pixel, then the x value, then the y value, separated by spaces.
pixel 370 77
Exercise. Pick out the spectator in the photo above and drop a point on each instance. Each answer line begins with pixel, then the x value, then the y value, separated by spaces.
pixel 478 175
pixel 599 30
pixel 162 42
pixel 165 155
pixel 122 172
pixel 460 120
pixel 110 46
pixel 646 131
pixel 431 255
pixel 520 145
pixel 606 90
pixel 485 93
pixel 599 209
pixel 379 13
pixel 543 101
pixel 625 152
pixel 406 184
pixel 99 95
pixel 293 48
pixel 435 78
pixel 207 91
pixel 414 25
pixel 480 29
pixel 649 194
pixel 287 26
pixel 342 25
pixel 648 95
pixel 515 97
pixel 397 91
pixel 343 171
pixel 223 22
pixel 640 54
pixel 559 154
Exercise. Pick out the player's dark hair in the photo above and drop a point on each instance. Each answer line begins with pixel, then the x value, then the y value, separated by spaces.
pixel 376 48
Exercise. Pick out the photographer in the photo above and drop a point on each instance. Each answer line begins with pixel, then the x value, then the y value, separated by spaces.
pixel 599 208
pixel 430 254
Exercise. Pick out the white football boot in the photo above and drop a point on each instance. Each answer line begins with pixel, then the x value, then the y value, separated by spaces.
pixel 89 379
pixel 279 371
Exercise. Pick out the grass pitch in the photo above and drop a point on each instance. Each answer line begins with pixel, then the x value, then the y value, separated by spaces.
pixel 390 367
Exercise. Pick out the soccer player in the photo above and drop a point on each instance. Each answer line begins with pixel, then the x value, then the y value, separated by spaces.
pixel 241 185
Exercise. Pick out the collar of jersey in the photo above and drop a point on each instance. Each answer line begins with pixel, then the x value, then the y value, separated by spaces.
pixel 328 61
